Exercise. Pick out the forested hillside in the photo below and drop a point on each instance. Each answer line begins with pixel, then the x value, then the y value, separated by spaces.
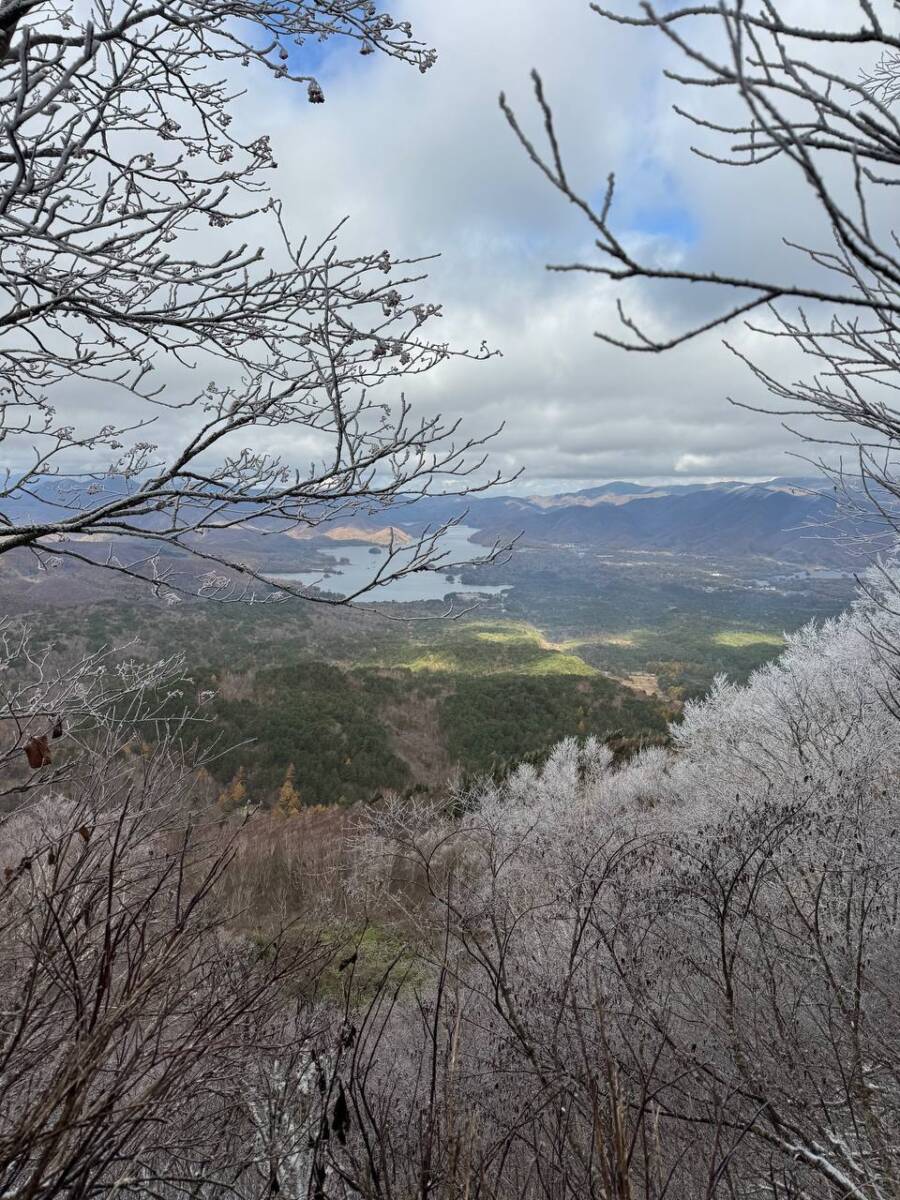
pixel 354 705
pixel 660 954
pixel 657 952
pixel 792 520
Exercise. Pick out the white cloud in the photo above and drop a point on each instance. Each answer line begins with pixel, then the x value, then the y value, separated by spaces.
pixel 429 163
pixel 693 463
pixel 425 164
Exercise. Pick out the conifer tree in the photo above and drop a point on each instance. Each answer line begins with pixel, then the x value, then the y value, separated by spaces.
pixel 235 793
pixel 289 802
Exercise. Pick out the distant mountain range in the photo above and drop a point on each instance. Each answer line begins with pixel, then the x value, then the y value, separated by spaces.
pixel 789 520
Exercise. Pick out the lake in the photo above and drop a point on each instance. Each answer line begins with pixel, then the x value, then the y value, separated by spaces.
pixel 362 565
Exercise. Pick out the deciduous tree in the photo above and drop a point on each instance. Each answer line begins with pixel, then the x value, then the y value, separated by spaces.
pixel 148 272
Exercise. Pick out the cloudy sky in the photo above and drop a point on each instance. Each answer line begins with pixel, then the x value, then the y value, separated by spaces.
pixel 425 164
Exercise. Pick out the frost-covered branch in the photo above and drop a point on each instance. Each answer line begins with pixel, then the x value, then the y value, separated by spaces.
pixel 147 270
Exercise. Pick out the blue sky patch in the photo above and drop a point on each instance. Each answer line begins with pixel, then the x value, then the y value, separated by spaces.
pixel 671 221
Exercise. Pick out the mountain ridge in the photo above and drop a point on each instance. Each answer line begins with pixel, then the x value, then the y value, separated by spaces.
pixel 788 519
pixel 784 518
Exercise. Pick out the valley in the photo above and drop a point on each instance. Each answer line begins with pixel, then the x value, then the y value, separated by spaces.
pixel 441 758
pixel 561 640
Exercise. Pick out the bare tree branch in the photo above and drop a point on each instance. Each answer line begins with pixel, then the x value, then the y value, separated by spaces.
pixel 125 171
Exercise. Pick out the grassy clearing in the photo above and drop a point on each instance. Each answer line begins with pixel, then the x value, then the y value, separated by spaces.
pixel 506 636
pixel 678 660
pixel 486 648
pixel 644 682
pixel 369 957
pixel 560 664
pixel 597 639
pixel 747 637
pixel 429 662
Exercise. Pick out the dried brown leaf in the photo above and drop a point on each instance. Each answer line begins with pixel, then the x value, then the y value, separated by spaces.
pixel 37 751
